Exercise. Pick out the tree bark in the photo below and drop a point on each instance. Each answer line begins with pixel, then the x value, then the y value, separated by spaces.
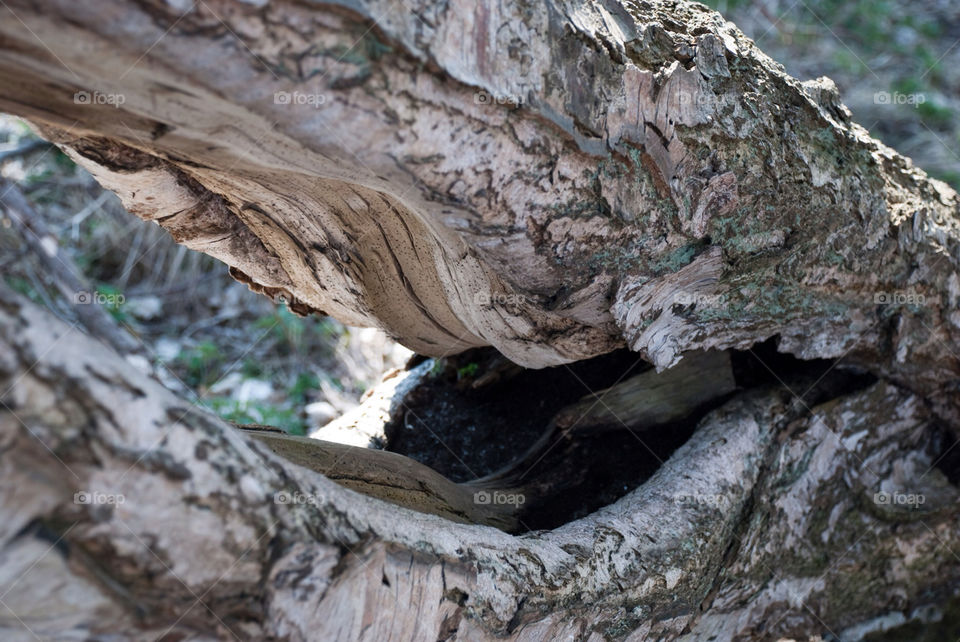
pixel 553 179
pixel 128 511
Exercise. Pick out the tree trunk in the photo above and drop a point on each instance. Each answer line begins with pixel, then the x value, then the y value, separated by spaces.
pixel 556 180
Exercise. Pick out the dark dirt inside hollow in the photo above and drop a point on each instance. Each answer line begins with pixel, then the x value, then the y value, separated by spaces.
pixel 466 432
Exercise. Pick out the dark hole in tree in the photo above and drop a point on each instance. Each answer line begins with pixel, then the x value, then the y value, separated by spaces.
pixel 465 432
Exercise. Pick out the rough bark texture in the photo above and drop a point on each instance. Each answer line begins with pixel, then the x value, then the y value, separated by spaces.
pixel 554 179
pixel 763 524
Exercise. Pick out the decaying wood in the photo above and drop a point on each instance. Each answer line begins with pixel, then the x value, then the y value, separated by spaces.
pixel 642 404
pixel 651 398
pixel 764 524
pixel 555 179
pixel 390 477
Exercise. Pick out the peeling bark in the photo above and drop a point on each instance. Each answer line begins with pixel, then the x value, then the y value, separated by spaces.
pixel 553 179
pixel 764 521
pixel 556 180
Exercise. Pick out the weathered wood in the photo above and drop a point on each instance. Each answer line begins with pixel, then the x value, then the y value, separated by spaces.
pixel 765 523
pixel 651 399
pixel 390 477
pixel 555 179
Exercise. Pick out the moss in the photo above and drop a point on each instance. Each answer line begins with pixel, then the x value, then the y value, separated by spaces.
pixel 764 298
pixel 677 259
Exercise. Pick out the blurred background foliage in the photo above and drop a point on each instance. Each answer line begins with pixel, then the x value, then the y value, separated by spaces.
pixel 208 337
pixel 253 361
pixel 897 65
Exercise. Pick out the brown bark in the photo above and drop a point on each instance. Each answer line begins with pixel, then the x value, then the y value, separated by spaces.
pixel 553 179
pixel 763 524
pixel 556 180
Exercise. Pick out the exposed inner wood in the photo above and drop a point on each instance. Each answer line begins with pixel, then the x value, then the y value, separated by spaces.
pixel 644 404
pixel 652 398
pixel 614 199
pixel 388 476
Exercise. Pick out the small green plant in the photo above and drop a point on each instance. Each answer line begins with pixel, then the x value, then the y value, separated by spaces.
pixel 294 334
pixel 113 301
pixel 286 419
pixel 305 382
pixel 468 371
pixel 24 287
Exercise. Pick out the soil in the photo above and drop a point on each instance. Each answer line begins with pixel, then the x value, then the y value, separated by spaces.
pixel 466 432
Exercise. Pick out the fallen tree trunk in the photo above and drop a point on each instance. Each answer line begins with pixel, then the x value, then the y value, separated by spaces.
pixel 556 180
pixel 126 510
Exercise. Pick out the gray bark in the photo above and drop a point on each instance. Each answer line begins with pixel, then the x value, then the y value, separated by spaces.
pixel 764 523
pixel 553 179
